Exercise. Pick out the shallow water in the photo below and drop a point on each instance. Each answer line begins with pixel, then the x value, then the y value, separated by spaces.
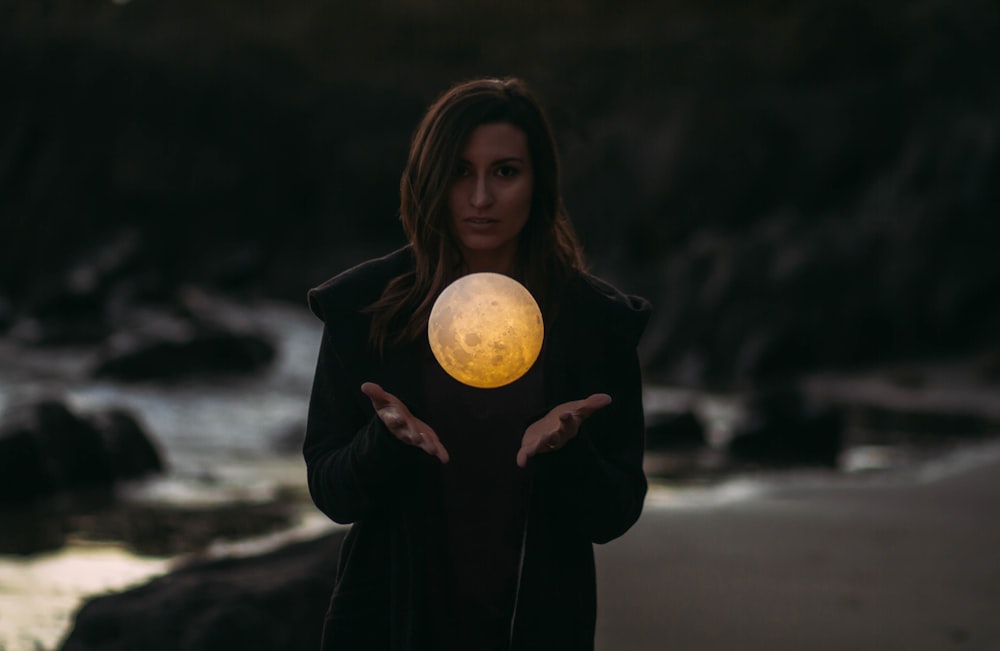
pixel 199 424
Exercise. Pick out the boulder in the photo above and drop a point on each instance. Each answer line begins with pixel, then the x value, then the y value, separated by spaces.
pixel 272 601
pixel 674 431
pixel 781 428
pixel 73 308
pixel 128 447
pixel 199 350
pixel 45 448
pixel 918 425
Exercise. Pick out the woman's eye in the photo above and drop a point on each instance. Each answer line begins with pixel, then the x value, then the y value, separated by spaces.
pixel 461 171
pixel 507 170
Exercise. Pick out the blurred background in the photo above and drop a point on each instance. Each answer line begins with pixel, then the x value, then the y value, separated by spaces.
pixel 804 190
pixel 793 184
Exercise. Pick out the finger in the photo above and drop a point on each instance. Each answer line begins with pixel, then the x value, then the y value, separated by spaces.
pixel 380 397
pixel 536 446
pixel 598 400
pixel 529 448
pixel 440 452
pixel 431 444
pixel 592 403
pixel 569 424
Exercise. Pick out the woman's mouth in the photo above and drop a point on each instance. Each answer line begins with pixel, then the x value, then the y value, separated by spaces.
pixel 480 222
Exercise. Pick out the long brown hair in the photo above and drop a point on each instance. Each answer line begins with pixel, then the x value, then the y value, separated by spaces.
pixel 548 250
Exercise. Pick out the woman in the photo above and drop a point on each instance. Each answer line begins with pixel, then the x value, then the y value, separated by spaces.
pixel 474 511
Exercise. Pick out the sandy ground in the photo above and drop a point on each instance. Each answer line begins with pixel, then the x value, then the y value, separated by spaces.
pixel 908 561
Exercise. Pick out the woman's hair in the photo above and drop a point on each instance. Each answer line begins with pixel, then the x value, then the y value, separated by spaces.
pixel 548 250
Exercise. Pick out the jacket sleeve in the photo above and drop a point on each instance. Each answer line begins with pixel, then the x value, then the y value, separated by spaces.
pixel 596 481
pixel 598 476
pixel 355 467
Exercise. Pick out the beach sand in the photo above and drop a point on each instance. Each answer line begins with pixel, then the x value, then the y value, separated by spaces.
pixel 907 560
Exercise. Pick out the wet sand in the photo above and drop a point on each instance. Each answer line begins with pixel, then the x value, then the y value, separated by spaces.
pixel 907 560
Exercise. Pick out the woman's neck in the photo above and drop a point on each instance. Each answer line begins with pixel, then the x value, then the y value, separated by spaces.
pixel 500 262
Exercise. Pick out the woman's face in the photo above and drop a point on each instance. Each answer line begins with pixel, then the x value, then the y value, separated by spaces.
pixel 490 197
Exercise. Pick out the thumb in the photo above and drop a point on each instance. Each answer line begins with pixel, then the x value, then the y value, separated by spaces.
pixel 592 403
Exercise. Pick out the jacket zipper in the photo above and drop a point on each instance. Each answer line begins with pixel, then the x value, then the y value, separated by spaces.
pixel 520 567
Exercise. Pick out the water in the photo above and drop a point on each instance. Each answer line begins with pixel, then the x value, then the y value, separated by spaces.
pixel 218 438
pixel 200 425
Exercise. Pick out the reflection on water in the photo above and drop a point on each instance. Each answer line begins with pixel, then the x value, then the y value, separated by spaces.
pixel 38 598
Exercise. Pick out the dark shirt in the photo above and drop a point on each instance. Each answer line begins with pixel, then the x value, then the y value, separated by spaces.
pixel 478 505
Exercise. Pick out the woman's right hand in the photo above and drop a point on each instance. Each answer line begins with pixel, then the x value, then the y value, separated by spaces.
pixel 402 424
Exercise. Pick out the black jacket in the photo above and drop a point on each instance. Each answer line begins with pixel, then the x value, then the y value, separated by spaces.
pixel 590 491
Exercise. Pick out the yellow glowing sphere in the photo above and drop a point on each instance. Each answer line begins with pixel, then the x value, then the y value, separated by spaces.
pixel 485 330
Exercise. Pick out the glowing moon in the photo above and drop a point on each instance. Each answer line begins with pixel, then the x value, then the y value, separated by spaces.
pixel 485 330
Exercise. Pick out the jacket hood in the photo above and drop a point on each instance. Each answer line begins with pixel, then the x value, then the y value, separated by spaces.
pixel 358 286
pixel 624 315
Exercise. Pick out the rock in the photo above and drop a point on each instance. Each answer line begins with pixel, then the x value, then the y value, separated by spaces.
pixel 186 334
pixel 782 429
pixel 199 351
pixel 162 528
pixel 263 603
pixel 915 425
pixel 47 448
pixel 73 308
pixel 675 431
pixel 84 326
pixel 129 448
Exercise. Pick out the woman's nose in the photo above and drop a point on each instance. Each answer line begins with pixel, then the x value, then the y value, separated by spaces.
pixel 481 194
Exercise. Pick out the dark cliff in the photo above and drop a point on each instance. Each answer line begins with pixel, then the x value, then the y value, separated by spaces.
pixel 794 184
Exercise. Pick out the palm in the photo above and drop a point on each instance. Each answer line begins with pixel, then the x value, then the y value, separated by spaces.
pixel 402 424
pixel 559 426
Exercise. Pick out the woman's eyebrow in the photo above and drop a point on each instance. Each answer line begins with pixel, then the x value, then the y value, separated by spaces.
pixel 498 161
pixel 508 159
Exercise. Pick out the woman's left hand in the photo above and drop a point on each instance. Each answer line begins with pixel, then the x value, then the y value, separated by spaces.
pixel 558 427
